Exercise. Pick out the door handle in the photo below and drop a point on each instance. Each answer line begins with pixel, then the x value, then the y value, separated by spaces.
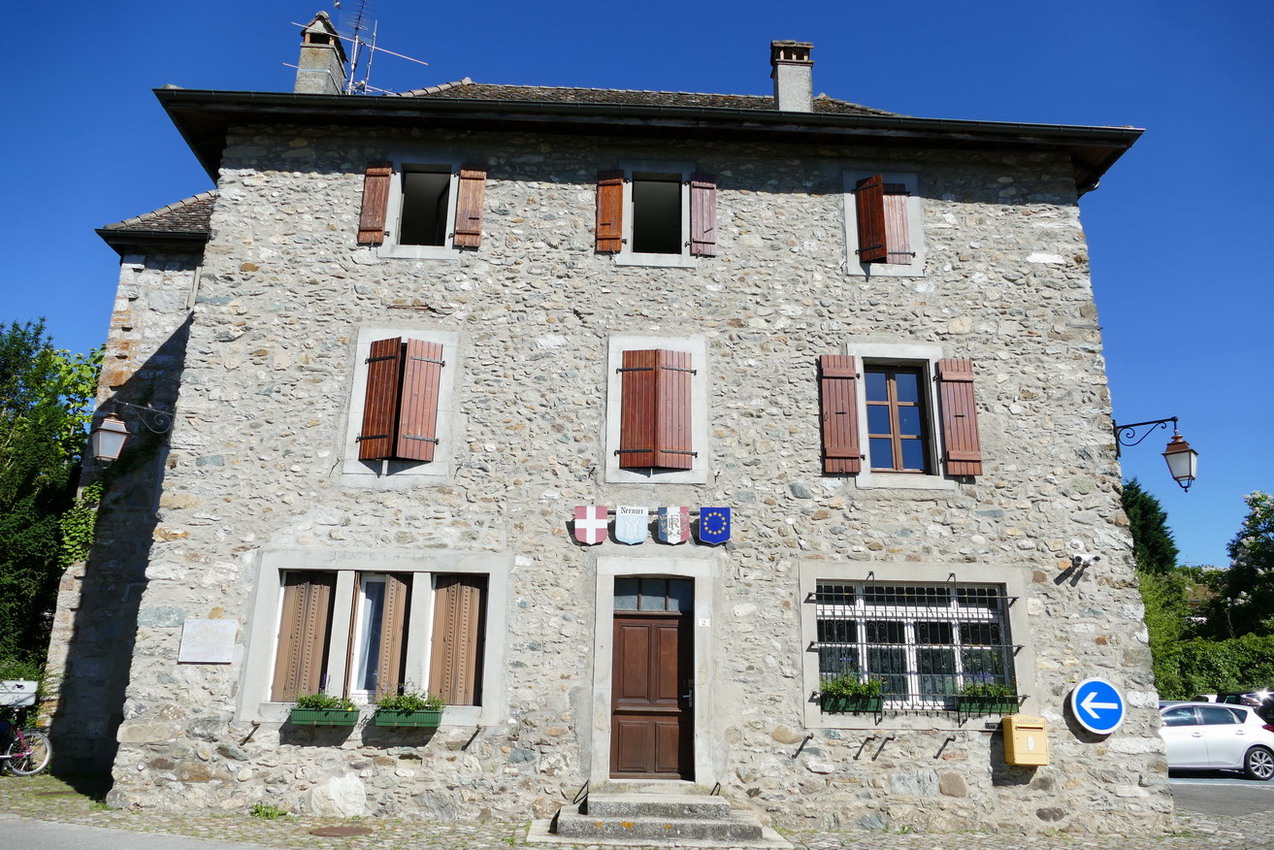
pixel 689 695
pixel 1196 734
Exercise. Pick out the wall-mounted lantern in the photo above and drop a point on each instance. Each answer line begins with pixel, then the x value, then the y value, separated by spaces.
pixel 1183 461
pixel 107 439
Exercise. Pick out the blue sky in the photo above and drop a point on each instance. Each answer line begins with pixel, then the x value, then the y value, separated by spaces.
pixel 1177 230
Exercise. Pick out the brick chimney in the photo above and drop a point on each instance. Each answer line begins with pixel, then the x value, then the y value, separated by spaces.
pixel 793 75
pixel 321 69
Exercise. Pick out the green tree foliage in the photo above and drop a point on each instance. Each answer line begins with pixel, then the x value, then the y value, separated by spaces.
pixel 1153 546
pixel 1246 605
pixel 1203 666
pixel 45 405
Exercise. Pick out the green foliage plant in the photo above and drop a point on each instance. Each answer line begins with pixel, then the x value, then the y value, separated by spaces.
pixel 1248 603
pixel 1153 547
pixel 849 685
pixel 980 686
pixel 325 702
pixel 266 811
pixel 410 700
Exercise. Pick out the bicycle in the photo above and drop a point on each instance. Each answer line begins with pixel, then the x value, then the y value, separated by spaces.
pixel 26 751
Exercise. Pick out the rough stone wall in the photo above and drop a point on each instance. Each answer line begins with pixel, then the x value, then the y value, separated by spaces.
pixel 262 415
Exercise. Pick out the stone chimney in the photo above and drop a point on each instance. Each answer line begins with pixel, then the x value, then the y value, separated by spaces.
pixel 321 69
pixel 793 75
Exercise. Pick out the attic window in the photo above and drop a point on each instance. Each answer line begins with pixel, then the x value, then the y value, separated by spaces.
pixel 426 192
pixel 657 213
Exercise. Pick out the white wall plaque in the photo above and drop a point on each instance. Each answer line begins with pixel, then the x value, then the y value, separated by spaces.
pixel 207 642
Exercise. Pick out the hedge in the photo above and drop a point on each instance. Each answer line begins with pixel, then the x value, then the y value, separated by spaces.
pixel 1202 666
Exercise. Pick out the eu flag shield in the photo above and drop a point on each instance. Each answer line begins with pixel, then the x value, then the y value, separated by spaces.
pixel 714 525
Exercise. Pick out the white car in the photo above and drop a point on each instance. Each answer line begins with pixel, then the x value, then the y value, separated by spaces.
pixel 1209 736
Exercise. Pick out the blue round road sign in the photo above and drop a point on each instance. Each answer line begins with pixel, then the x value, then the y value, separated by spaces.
pixel 1098 706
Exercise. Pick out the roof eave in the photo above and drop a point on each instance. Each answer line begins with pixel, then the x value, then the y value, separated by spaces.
pixel 123 239
pixel 203 118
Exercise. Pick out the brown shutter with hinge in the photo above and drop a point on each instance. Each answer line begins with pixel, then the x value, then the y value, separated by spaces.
pixel 655 410
pixel 469 198
pixel 304 634
pixel 838 388
pixel 963 453
pixel 610 212
pixel 418 408
pixel 897 228
pixel 703 215
pixel 380 405
pixel 371 221
pixel 869 206
pixel 393 635
pixel 456 654
pixel 673 448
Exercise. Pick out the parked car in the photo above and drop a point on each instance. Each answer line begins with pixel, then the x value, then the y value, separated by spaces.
pixel 1262 701
pixel 1212 736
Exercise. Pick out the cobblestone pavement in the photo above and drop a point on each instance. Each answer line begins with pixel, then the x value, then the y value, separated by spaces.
pixel 49 799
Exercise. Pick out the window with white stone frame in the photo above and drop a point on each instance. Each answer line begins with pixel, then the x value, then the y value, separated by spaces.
pixel 422 206
pixel 656 213
pixel 884 224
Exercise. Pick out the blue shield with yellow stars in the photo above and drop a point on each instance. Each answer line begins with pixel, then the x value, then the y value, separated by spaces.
pixel 714 525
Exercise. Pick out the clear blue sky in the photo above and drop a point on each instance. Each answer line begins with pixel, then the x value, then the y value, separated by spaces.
pixel 1178 230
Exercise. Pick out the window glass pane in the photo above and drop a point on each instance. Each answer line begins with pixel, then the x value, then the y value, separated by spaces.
pixel 983 634
pixel 890 666
pixel 878 419
pixel 937 671
pixel 1180 716
pixel 907 386
pixel 657 215
pixel 877 389
pixel 982 665
pixel 913 454
pixel 882 453
pixel 1216 716
pixel 909 421
pixel 836 661
pixel 885 631
pixel 369 630
pixel 681 594
pixel 654 594
pixel 424 207
pixel 625 594
pixel 837 631
pixel 939 633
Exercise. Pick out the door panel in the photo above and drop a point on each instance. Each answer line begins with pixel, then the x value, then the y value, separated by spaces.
pixel 651 722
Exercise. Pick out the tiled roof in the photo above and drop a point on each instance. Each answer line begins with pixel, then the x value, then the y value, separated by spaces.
pixel 468 89
pixel 191 215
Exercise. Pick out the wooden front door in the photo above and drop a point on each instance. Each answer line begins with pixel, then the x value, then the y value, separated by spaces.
pixel 652 721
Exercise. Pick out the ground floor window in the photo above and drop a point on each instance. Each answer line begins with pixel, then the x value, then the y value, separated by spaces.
pixel 925 643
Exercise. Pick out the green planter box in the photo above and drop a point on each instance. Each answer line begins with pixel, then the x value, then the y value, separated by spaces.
pixel 837 704
pixel 323 717
pixel 985 705
pixel 409 719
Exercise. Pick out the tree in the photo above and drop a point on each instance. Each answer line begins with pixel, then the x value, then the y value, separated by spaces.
pixel 1153 546
pixel 45 405
pixel 1248 599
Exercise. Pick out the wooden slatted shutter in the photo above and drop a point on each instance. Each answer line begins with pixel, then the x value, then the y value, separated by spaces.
pixel 380 404
pixel 456 655
pixel 838 386
pixel 610 212
pixel 655 410
pixel 305 633
pixel 469 199
pixel 963 452
pixel 371 221
pixel 869 205
pixel 393 635
pixel 418 408
pixel 703 215
pixel 897 228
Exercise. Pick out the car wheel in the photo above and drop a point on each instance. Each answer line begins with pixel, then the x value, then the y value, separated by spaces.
pixel 1259 764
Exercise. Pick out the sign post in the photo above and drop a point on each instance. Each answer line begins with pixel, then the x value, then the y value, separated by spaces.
pixel 1098 706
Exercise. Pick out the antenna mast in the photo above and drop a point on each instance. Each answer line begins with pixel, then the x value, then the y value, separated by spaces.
pixel 351 85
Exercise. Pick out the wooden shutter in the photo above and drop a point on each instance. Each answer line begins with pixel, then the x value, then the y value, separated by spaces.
pixel 655 410
pixel 418 405
pixel 371 221
pixel 838 388
pixel 456 655
pixel 610 212
pixel 897 228
pixel 869 205
pixel 469 198
pixel 304 635
pixel 393 635
pixel 703 215
pixel 963 453
pixel 380 404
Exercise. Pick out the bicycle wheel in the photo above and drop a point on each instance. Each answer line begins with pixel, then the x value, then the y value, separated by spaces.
pixel 31 758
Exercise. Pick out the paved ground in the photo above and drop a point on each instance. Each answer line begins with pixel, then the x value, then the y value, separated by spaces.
pixel 43 813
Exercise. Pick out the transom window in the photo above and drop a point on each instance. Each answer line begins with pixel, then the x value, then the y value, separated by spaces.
pixel 897 420
pixel 654 594
pixel 924 643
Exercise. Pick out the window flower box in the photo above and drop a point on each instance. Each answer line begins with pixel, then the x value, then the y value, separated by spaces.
pixel 975 704
pixel 324 716
pixel 408 719
pixel 840 704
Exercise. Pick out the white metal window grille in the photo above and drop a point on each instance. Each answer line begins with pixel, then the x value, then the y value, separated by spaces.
pixel 924 642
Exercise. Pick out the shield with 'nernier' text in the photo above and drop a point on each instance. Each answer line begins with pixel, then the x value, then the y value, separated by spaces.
pixel 631 524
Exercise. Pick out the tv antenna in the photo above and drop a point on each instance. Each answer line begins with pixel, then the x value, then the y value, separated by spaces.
pixel 363 51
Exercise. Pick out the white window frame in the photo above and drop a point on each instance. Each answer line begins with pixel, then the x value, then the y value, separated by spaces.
pixel 393 474
pixel 391 247
pixel 915 226
pixel 697 347
pixel 924 356
pixel 1014 581
pixel 262 630
pixel 358 646
pixel 627 256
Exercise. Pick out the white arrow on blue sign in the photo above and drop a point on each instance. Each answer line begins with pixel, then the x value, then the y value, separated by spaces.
pixel 1098 706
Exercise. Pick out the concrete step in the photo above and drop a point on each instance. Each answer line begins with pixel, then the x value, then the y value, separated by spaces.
pixel 637 805
pixel 640 830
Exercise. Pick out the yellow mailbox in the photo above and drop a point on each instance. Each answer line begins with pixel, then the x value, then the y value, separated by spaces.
pixel 1025 740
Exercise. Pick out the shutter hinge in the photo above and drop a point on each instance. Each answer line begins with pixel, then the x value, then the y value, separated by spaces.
pixel 652 451
pixel 428 360
pixel 433 440
pixel 362 437
pixel 382 357
pixel 635 369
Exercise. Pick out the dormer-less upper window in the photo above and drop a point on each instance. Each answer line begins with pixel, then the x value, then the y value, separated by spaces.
pixel 653 215
pixel 421 210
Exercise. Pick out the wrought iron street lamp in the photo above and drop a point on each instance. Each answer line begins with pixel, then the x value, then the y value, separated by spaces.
pixel 1183 461
pixel 108 438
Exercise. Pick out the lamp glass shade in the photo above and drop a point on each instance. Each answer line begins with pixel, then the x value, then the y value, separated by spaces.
pixel 1183 461
pixel 107 439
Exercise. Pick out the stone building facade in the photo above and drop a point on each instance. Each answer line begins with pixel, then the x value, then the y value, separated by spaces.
pixel 513 244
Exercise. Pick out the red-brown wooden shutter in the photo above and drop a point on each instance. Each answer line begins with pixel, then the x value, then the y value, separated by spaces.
pixel 869 205
pixel 456 654
pixel 418 405
pixel 838 385
pixel 703 215
pixel 672 436
pixel 655 410
pixel 393 635
pixel 610 212
pixel 469 198
pixel 380 405
pixel 963 452
pixel 897 229
pixel 304 634
pixel 371 221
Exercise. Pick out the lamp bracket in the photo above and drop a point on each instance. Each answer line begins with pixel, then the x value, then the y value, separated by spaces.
pixel 156 421
pixel 1126 435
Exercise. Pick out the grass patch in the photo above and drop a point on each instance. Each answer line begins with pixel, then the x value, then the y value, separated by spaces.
pixel 265 811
